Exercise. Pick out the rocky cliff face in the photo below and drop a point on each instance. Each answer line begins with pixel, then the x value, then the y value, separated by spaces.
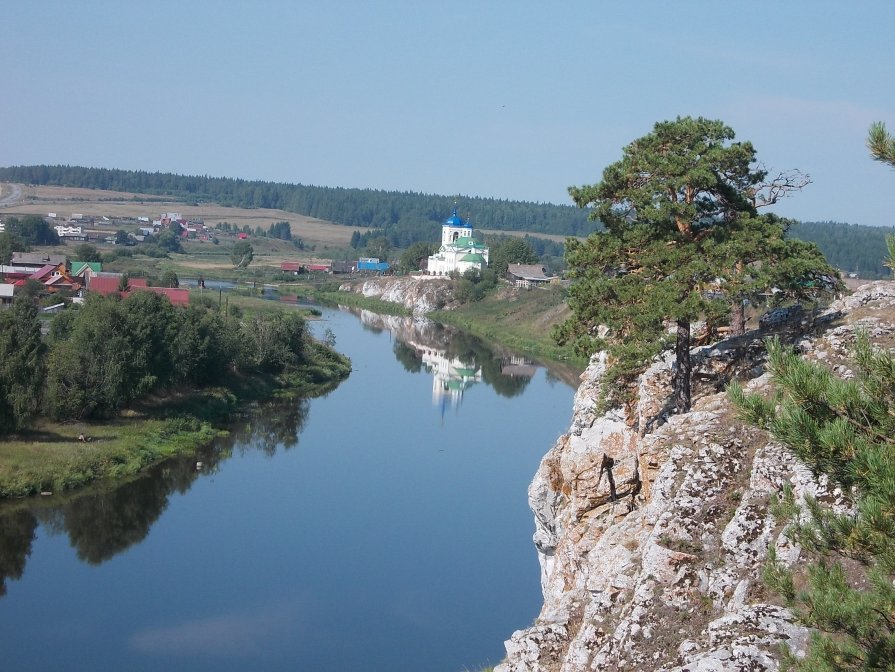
pixel 652 531
pixel 420 294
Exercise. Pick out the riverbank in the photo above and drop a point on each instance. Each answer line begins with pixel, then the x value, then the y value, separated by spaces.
pixel 53 457
pixel 514 318
pixel 519 319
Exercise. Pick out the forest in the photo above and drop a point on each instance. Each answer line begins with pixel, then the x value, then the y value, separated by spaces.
pixel 405 218
pixel 112 352
pixel 366 208
pixel 854 248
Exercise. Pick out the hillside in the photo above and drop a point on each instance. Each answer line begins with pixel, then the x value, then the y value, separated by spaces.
pixel 362 208
pixel 327 216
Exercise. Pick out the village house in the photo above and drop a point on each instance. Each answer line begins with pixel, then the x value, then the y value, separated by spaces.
pixel 70 233
pixel 372 264
pixel 35 261
pixel 86 269
pixel 106 284
pixel 528 275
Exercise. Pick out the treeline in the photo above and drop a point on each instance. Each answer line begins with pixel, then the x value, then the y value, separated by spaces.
pixel 405 218
pixel 366 208
pixel 854 248
pixel 111 352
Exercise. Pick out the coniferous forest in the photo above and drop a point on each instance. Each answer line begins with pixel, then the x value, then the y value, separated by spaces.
pixel 367 208
pixel 409 217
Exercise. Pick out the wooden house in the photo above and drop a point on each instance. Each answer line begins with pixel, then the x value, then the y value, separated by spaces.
pixel 528 275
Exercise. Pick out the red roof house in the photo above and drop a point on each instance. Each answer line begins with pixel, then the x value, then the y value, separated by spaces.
pixel 108 284
pixel 176 295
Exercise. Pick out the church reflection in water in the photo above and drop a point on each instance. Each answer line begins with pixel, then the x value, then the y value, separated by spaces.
pixel 450 377
pixel 456 360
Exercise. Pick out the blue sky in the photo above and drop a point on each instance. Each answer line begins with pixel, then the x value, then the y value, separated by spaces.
pixel 514 100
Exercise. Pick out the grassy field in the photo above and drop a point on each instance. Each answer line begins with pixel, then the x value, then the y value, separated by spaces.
pixel 65 201
pixel 51 458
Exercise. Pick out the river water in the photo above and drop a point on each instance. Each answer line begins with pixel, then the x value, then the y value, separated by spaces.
pixel 383 526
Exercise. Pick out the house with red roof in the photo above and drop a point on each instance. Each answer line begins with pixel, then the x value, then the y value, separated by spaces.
pixel 108 283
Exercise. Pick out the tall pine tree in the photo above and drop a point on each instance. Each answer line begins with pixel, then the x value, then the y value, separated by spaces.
pixel 683 241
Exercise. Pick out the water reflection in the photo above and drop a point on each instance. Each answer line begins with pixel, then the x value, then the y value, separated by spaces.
pixel 16 534
pixel 456 360
pixel 103 521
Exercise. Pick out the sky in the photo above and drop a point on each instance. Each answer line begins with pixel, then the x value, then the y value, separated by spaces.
pixel 509 100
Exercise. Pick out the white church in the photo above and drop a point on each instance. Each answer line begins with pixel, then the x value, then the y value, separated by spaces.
pixel 459 250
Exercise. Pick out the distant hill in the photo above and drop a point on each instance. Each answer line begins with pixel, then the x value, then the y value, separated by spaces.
pixel 854 248
pixel 407 217
pixel 361 208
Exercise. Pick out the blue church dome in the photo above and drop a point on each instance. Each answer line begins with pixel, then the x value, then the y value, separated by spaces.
pixel 456 220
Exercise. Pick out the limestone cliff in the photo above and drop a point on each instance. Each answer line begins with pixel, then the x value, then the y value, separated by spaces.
pixel 651 530
pixel 420 294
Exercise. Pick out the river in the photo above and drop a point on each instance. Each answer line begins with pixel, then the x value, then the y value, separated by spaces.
pixel 383 526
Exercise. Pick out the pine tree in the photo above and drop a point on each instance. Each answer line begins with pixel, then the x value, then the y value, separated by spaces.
pixel 683 241
pixel 843 429
pixel 881 143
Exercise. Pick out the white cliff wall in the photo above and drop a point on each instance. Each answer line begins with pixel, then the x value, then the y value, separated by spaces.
pixel 420 294
pixel 651 542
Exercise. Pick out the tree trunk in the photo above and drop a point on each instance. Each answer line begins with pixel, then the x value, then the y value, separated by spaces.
pixel 683 367
pixel 737 318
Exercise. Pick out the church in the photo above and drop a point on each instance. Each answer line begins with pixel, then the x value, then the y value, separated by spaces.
pixel 459 251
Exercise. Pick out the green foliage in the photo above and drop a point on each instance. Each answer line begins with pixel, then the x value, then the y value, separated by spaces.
pixel 22 365
pixel 682 242
pixel 377 247
pixel 169 241
pixel 242 254
pixel 413 256
pixel 842 429
pixel 170 279
pixel 33 230
pixel 112 352
pixel 852 247
pixel 87 252
pixel 881 143
pixel 274 342
pixel 280 230
pixel 506 250
pixel 474 284
pixel 9 243
pixel 33 290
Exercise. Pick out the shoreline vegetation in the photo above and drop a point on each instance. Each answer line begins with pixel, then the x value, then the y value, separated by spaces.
pixel 120 384
pixel 50 457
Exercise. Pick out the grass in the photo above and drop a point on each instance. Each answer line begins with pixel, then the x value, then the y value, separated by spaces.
pixel 114 204
pixel 51 458
pixel 520 320
pixel 354 300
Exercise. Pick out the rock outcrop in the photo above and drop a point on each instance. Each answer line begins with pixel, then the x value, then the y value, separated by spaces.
pixel 651 530
pixel 420 294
